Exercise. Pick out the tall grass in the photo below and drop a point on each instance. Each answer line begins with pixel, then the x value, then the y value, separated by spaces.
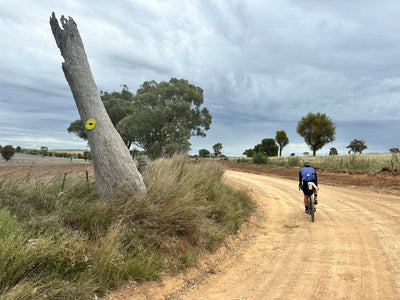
pixel 363 162
pixel 71 245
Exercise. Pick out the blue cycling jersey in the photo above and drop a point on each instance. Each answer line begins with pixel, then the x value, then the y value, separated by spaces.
pixel 308 174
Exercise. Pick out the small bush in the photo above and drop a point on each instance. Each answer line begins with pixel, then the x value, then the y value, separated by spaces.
pixel 260 158
pixel 243 160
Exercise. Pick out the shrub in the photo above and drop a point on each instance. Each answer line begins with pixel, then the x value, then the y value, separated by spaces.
pixel 260 158
pixel 204 153
pixel 243 160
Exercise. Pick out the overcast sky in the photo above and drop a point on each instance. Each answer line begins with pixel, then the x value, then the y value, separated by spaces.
pixel 262 65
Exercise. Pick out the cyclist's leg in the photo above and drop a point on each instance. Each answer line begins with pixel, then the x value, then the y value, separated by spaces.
pixel 305 192
pixel 315 191
pixel 305 200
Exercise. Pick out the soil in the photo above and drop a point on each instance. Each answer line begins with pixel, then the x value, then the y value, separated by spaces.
pixel 351 251
pixel 385 180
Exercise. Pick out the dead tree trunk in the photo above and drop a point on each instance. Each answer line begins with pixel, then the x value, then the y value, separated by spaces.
pixel 114 168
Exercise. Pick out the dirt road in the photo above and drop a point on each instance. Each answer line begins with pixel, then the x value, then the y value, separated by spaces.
pixel 352 251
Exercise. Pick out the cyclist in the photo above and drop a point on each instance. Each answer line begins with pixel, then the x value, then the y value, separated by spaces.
pixel 306 175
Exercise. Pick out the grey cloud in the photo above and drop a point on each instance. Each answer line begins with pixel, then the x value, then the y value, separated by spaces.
pixel 262 64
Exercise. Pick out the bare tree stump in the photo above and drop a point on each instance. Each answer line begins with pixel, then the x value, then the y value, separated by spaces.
pixel 115 170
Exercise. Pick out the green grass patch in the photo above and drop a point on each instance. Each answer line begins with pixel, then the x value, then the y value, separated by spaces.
pixel 71 245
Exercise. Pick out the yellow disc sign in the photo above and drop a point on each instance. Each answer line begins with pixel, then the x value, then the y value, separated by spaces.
pixel 90 124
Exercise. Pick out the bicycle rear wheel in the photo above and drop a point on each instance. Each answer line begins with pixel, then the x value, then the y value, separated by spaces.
pixel 311 206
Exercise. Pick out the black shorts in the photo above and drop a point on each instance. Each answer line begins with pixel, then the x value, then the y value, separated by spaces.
pixel 305 189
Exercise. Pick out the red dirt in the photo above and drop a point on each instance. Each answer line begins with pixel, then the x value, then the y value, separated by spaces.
pixel 385 180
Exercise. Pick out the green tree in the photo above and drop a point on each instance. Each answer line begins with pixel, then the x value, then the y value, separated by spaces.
pixel 333 151
pixel 117 105
pixel 117 109
pixel 394 150
pixel 78 128
pixel 125 94
pixel 165 116
pixel 204 153
pixel 317 130
pixel 7 152
pixel 267 147
pixel 282 140
pixel 18 149
pixel 357 146
pixel 217 149
pixel 249 152
pixel 87 155
pixel 44 151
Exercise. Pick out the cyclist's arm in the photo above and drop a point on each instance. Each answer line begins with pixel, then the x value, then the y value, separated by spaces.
pixel 316 179
pixel 300 178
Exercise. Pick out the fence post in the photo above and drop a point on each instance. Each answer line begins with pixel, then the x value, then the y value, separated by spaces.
pixel 65 177
pixel 143 168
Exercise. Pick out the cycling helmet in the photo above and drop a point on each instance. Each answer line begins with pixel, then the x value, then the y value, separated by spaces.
pixel 307 164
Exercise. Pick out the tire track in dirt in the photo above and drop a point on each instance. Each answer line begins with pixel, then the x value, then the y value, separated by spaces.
pixel 351 251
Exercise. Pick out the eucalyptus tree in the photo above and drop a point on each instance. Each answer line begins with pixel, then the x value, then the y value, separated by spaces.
pixel 165 116
pixel 357 146
pixel 282 140
pixel 317 130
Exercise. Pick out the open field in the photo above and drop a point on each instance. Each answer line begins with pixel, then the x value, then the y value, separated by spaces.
pixel 24 165
pixel 367 163
pixel 21 158
pixel 355 162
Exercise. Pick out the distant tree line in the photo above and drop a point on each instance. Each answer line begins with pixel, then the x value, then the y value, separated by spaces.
pixel 317 129
pixel 7 152
pixel 204 153
pixel 269 146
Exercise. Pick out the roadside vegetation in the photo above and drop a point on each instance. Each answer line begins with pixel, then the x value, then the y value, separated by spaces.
pixel 368 163
pixel 71 245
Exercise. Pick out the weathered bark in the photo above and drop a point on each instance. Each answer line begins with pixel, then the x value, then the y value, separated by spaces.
pixel 114 168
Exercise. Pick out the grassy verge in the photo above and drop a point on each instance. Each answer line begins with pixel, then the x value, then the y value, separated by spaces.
pixel 364 162
pixel 72 246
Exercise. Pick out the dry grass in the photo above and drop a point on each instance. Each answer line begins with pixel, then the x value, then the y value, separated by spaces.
pixel 355 162
pixel 72 245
